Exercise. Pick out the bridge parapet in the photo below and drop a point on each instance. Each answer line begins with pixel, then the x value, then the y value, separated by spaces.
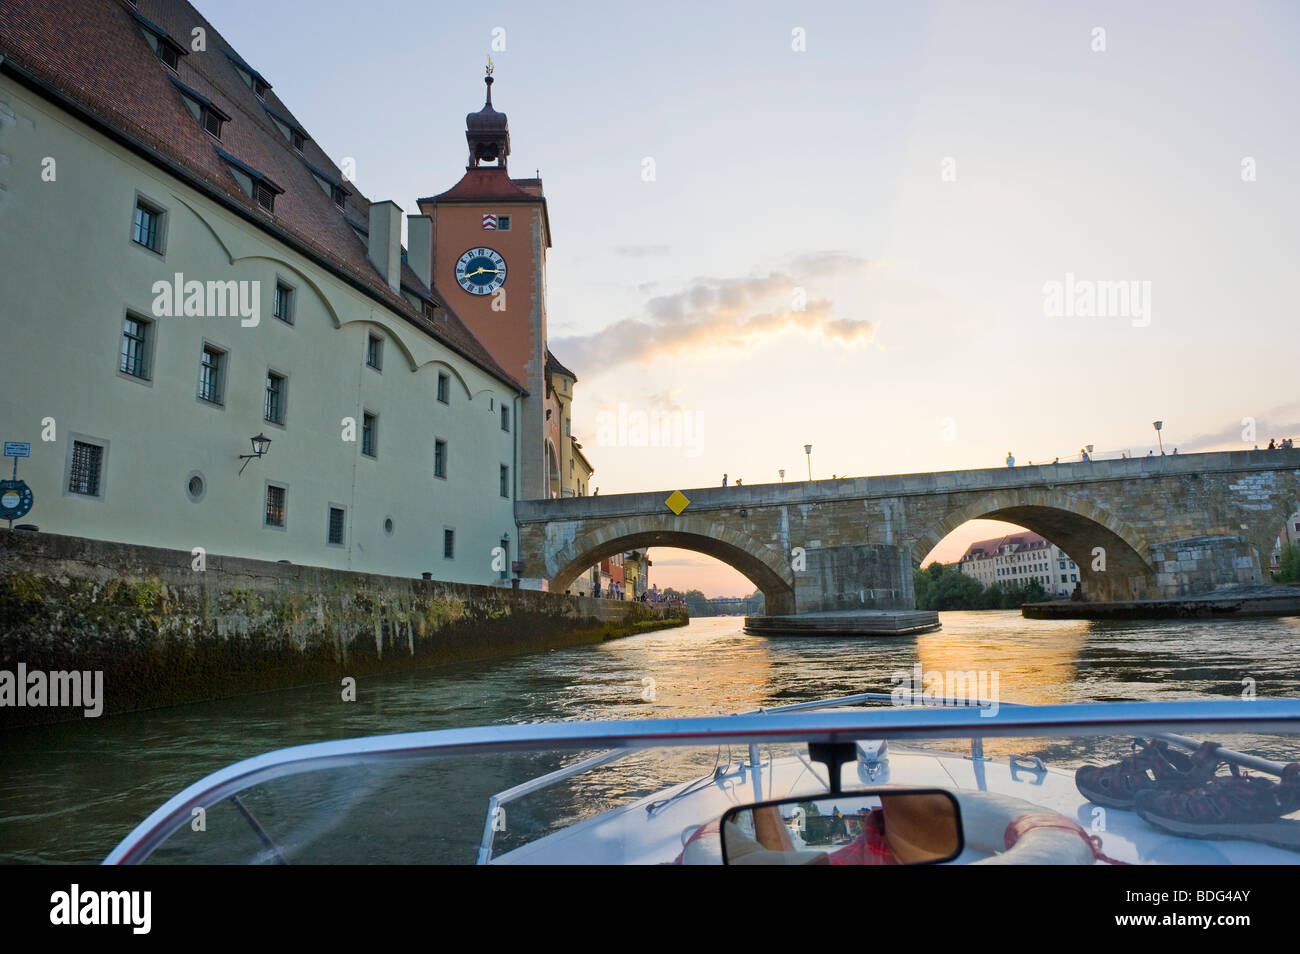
pixel 1137 528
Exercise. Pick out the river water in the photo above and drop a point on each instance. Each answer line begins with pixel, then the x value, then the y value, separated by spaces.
pixel 70 792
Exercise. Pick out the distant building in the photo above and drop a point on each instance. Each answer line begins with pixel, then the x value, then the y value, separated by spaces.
pixel 1019 558
pixel 1290 534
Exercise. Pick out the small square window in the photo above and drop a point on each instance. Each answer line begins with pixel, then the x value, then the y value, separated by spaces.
pixel 375 352
pixel 263 195
pixel 169 54
pixel 369 434
pixel 212 123
pixel 275 506
pixel 505 481
pixel 260 88
pixel 440 459
pixel 211 371
pixel 276 386
pixel 87 460
pixel 428 308
pixel 444 388
pixel 449 544
pixel 505 418
pixel 334 531
pixel 136 334
pixel 503 223
pixel 147 228
pixel 338 195
pixel 282 303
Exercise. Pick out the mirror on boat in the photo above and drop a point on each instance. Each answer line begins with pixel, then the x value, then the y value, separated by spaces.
pixel 882 827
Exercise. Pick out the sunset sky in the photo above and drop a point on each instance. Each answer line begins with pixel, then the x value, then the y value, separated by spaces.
pixel 848 245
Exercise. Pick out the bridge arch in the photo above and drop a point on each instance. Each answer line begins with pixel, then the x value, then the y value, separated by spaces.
pixel 763 564
pixel 1077 526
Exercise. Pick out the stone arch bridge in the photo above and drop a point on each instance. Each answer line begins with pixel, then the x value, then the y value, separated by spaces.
pixel 1165 526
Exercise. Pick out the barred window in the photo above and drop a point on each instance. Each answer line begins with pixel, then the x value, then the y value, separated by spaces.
pixel 86 462
pixel 444 388
pixel 336 526
pixel 505 481
pixel 505 418
pixel 275 498
pixel 375 352
pixel 440 459
pixel 449 544
pixel 135 338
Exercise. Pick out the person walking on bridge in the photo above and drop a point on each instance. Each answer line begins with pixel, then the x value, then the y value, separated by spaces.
pixel 1011 461
pixel 724 480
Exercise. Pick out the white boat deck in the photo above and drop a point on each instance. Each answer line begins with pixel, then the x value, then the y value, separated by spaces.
pixel 630 834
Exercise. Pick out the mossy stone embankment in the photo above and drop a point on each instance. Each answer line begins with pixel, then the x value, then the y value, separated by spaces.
pixel 164 634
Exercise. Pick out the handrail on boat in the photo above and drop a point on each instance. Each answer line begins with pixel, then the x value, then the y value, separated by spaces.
pixel 910 722
pixel 497 801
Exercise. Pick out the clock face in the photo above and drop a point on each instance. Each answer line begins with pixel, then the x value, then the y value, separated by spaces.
pixel 481 271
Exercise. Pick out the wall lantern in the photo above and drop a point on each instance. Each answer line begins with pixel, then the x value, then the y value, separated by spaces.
pixel 261 444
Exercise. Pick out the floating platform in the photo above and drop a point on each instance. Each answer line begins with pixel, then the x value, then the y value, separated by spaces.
pixel 1225 604
pixel 845 623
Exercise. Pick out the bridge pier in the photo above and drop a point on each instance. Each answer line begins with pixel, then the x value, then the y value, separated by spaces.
pixel 865 576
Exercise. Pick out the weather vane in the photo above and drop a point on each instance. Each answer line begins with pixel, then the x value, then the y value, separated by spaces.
pixel 489 66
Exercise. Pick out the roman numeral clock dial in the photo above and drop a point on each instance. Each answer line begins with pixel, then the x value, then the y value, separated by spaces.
pixel 481 271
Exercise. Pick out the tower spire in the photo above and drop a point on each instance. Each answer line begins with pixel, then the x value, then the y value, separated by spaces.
pixel 487 131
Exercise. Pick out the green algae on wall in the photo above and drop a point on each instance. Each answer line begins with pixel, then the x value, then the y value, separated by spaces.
pixel 165 634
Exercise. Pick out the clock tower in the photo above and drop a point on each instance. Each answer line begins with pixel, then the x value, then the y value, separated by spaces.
pixel 490 236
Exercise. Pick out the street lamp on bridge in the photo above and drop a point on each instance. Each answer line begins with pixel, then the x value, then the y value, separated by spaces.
pixel 782 473
pixel 1158 425
pixel 807 449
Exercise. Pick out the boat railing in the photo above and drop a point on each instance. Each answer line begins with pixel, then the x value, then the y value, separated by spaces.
pixel 613 738
pixel 493 822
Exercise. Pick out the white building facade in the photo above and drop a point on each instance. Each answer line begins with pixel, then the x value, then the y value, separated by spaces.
pixel 1019 558
pixel 393 435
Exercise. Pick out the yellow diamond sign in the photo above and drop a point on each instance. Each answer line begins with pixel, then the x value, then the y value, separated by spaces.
pixel 677 502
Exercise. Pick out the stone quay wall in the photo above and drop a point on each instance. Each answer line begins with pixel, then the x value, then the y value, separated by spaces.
pixel 164 633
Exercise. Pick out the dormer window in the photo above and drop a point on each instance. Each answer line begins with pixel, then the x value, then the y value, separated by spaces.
pixel 212 123
pixel 163 46
pixel 297 139
pixel 429 308
pixel 263 195
pixel 205 111
pixel 169 54
pixel 331 186
pixel 255 184
pixel 252 79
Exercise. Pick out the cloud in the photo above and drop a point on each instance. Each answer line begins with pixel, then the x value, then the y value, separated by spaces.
pixel 1278 422
pixel 711 313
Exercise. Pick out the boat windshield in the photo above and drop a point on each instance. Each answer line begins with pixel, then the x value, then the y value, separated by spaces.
pixel 1137 783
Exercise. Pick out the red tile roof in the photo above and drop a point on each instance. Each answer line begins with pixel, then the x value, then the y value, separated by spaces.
pixel 92 57
pixel 484 182
pixel 1018 541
